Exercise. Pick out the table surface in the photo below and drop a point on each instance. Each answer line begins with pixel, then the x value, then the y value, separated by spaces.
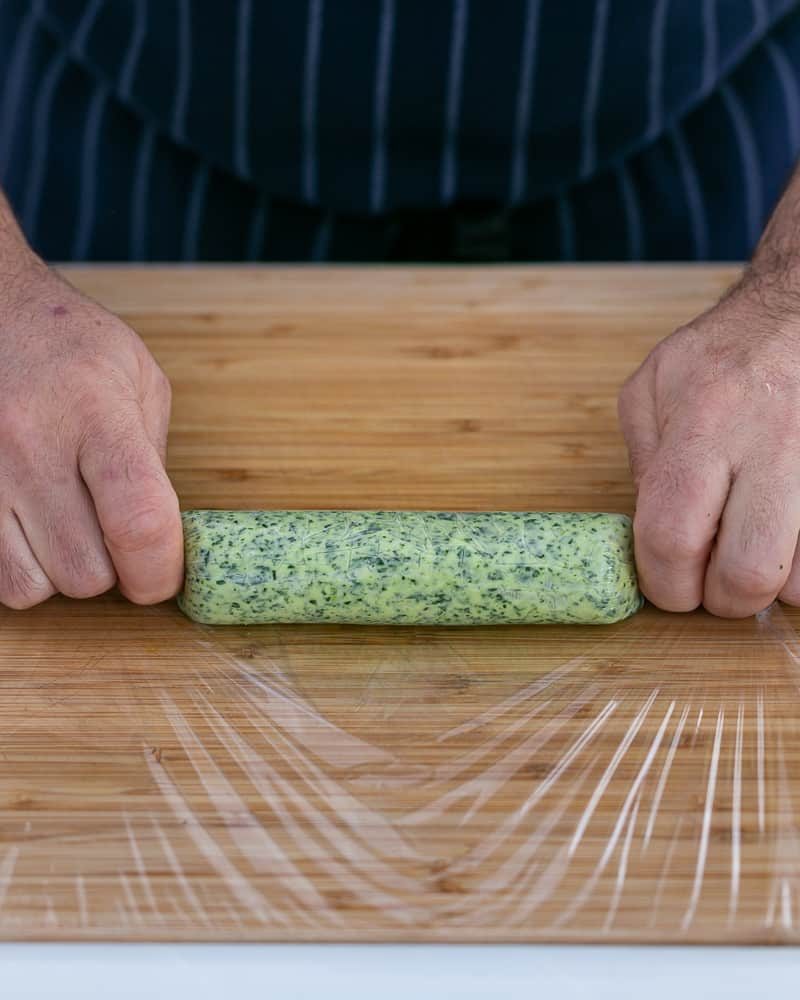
pixel 395 972
pixel 164 780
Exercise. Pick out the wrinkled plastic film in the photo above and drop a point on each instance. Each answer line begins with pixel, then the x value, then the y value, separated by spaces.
pixel 635 782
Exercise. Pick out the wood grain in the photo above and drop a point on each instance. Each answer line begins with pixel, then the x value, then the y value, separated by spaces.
pixel 162 780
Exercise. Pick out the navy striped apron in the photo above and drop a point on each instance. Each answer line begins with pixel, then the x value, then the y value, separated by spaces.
pixel 372 130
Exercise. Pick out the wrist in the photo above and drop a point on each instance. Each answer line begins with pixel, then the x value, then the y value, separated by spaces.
pixel 20 266
pixel 767 293
pixel 24 277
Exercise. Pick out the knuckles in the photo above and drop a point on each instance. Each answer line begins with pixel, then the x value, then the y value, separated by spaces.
pixel 143 596
pixel 141 527
pixel 669 545
pixel 21 589
pixel 791 594
pixel 91 585
pixel 19 600
pixel 748 581
pixel 81 575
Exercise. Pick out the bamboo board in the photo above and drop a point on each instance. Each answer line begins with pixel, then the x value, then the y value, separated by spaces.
pixel 161 780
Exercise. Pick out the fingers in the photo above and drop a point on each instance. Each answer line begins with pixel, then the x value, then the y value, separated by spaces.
pixel 156 405
pixel 680 496
pixel 756 542
pixel 23 582
pixel 638 422
pixel 790 592
pixel 679 504
pixel 136 506
pixel 62 530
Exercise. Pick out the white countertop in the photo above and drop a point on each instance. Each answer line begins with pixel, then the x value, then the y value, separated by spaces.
pixel 394 972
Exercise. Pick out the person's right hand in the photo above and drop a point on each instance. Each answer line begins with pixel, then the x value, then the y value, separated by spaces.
pixel 85 501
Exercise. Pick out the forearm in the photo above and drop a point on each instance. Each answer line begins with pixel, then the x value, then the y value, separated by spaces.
pixel 774 271
pixel 17 260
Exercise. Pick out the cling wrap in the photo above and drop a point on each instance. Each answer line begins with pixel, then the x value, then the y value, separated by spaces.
pixel 176 781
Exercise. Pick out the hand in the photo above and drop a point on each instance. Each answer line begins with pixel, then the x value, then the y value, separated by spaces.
pixel 84 498
pixel 712 423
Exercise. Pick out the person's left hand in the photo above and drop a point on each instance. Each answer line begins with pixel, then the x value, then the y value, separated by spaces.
pixel 712 423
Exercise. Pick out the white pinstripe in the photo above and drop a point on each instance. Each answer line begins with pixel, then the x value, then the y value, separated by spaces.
pixel 12 89
pixel 85 25
pixel 88 193
pixel 655 82
pixel 751 166
pixel 791 93
pixel 566 227
pixel 694 198
pixel 184 81
pixel 633 215
pixel 593 79
pixel 759 16
pixel 710 54
pixel 134 50
pixel 310 84
pixel 382 78
pixel 141 184
pixel 455 75
pixel 41 134
pixel 194 213
pixel 522 119
pixel 241 154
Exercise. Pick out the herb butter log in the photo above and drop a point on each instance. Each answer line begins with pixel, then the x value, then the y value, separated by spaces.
pixel 407 568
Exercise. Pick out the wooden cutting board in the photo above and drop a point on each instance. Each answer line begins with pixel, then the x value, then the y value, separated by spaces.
pixel 164 780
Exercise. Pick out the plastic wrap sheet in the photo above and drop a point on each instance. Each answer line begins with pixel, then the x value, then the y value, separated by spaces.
pixel 166 780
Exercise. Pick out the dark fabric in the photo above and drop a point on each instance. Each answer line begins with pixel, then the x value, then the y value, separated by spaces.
pixel 397 129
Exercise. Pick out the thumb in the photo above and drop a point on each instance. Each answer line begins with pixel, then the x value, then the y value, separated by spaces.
pixel 136 506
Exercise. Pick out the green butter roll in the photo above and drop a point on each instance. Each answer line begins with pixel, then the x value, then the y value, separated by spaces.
pixel 408 567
